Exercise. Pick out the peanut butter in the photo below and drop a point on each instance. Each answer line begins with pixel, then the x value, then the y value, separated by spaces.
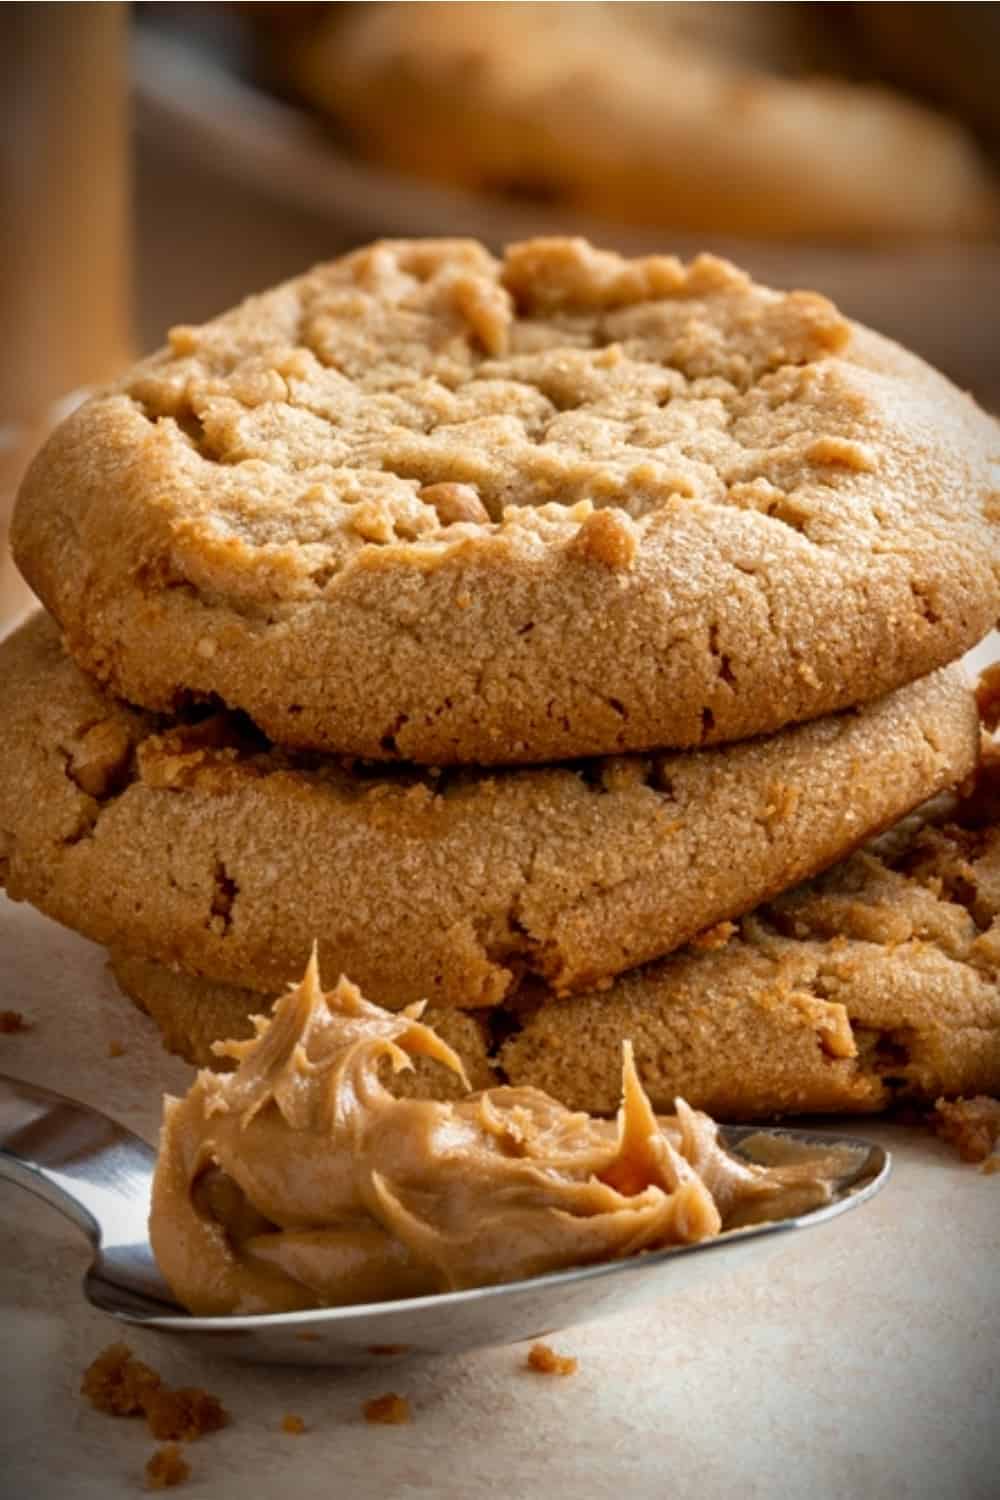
pixel 300 1180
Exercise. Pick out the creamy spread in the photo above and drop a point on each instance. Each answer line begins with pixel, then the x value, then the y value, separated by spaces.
pixel 301 1180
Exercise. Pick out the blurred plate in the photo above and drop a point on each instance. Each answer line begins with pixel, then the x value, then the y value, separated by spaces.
pixel 195 96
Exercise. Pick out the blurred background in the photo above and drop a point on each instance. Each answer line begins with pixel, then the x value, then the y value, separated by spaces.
pixel 161 161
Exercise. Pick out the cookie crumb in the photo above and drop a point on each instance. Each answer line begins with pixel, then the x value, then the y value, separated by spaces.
pixel 608 537
pixel 12 1021
pixel 116 1049
pixel 714 937
pixel 100 764
pixel 988 697
pixel 389 1409
pixel 185 1414
pixel 123 1386
pixel 547 1362
pixel 117 1383
pixel 455 503
pixel 167 1468
pixel 972 1126
pixel 841 452
pixel 293 1423
pixel 183 338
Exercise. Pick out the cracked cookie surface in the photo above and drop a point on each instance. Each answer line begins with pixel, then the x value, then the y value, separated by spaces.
pixel 425 504
pixel 875 983
pixel 198 843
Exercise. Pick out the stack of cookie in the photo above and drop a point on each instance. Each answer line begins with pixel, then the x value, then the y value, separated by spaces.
pixel 525 632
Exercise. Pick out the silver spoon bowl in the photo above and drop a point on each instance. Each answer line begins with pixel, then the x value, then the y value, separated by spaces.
pixel 99 1175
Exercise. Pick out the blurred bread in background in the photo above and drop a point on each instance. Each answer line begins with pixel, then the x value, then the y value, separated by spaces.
pixel 694 118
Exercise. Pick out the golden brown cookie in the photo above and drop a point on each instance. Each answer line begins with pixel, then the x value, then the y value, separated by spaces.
pixel 425 504
pixel 199 844
pixel 193 1013
pixel 878 982
pixel 624 112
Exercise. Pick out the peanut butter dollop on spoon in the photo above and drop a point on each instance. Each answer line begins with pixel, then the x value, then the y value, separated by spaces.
pixel 300 1180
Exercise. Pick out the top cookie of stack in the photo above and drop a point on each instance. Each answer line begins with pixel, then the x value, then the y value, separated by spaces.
pixel 421 503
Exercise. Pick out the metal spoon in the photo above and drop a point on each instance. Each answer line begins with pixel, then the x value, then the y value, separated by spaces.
pixel 99 1174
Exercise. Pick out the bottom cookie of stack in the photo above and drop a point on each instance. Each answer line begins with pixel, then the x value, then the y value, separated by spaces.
pixel 876 982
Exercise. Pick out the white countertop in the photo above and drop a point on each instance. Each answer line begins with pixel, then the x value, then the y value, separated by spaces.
pixel 860 1361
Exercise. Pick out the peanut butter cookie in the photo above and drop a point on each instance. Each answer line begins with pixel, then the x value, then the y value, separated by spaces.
pixel 621 111
pixel 429 505
pixel 193 1013
pixel 195 842
pixel 877 982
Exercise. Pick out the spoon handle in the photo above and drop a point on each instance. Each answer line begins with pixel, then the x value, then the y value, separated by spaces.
pixel 95 1172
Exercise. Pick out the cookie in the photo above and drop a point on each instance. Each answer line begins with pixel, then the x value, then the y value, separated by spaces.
pixel 193 1013
pixel 878 982
pixel 425 504
pixel 199 844
pixel 621 112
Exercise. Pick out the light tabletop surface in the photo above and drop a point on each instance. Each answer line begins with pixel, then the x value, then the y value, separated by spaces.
pixel 861 1361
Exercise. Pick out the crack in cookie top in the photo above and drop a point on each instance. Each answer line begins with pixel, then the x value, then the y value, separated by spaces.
pixel 429 504
pixel 425 392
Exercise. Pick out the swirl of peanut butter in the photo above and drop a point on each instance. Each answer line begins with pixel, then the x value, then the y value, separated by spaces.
pixel 300 1180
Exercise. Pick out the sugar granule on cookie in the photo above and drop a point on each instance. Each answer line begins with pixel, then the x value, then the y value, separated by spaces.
pixel 390 1409
pixel 972 1126
pixel 166 1468
pixel 12 1022
pixel 547 1362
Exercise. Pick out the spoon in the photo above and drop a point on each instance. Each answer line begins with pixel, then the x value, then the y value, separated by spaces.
pixel 99 1175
